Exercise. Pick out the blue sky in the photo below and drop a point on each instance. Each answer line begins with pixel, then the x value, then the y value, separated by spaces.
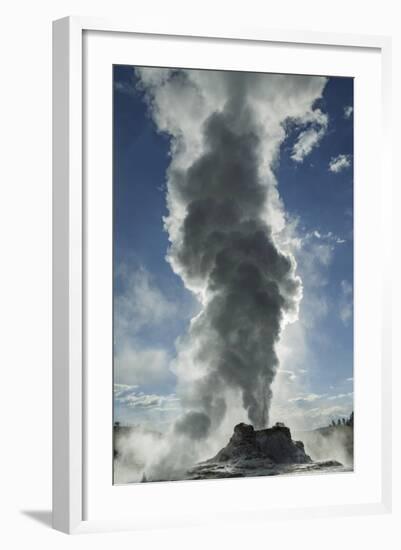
pixel 152 306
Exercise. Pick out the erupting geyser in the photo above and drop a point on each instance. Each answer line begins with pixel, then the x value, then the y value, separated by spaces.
pixel 224 224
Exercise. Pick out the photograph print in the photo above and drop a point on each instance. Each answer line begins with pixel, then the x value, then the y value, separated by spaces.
pixel 232 274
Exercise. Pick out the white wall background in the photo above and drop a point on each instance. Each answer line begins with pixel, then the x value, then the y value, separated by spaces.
pixel 25 289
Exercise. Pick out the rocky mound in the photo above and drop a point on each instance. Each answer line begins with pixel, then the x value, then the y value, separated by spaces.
pixel 253 452
pixel 266 452
pixel 273 444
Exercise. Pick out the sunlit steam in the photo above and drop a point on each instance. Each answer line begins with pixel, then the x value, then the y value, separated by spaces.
pixel 224 225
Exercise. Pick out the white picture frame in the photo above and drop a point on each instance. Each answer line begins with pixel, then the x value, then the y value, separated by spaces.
pixel 70 258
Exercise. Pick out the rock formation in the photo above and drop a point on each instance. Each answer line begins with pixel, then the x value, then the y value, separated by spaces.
pixel 273 444
pixel 251 452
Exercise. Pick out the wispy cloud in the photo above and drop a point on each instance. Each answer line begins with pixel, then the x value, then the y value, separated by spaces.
pixel 136 364
pixel 140 308
pixel 290 375
pixel 339 163
pixel 346 302
pixel 311 397
pixel 307 398
pixel 315 124
pixel 340 396
pixel 125 87
pixel 329 237
pixel 129 396
pixel 348 110
pixel 141 304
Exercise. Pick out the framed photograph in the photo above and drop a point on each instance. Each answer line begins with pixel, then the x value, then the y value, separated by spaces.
pixel 220 298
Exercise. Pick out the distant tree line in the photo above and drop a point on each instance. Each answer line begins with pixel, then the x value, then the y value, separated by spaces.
pixel 344 421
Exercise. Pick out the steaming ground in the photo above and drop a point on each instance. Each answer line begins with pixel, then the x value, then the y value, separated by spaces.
pixel 229 244
pixel 325 450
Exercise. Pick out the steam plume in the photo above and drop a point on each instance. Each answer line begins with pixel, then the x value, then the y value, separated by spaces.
pixel 224 224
